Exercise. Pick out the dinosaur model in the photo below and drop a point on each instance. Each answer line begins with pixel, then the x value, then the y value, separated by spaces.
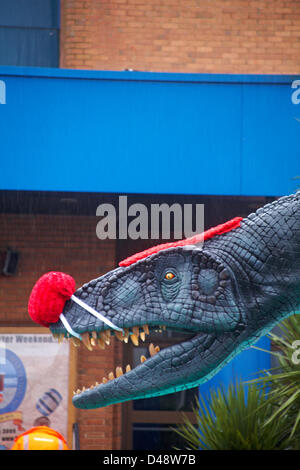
pixel 224 289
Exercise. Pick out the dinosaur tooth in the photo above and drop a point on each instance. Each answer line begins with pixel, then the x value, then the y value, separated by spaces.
pixel 86 340
pixel 119 371
pixel 111 376
pixel 119 335
pixel 146 329
pixel 76 342
pixel 128 368
pixel 142 336
pixel 152 350
pixel 60 337
pixel 134 339
pixel 102 335
pixel 143 358
pixel 94 338
pixel 108 336
pixel 104 381
pixel 101 343
pixel 136 331
pixel 105 337
pixel 126 335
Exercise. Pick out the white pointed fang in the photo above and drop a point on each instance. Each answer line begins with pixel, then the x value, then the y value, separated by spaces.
pixel 136 331
pixel 111 376
pixel 60 338
pixel 143 359
pixel 128 368
pixel 86 340
pixel 153 350
pixel 134 339
pixel 119 371
pixel 105 335
pixel 104 381
pixel 119 335
pixel 146 329
pixel 143 336
pixel 94 338
pixel 101 343
pixel 126 335
pixel 76 342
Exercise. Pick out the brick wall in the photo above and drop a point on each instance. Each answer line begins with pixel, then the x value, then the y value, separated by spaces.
pixel 68 244
pixel 201 36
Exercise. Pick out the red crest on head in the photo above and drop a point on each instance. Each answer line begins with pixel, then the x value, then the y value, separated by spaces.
pixel 218 230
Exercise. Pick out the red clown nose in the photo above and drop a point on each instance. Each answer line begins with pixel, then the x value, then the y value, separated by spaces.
pixel 48 297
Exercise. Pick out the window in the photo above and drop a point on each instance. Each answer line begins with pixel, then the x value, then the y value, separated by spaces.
pixel 29 33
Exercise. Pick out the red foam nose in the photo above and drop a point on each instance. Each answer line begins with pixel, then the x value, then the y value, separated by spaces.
pixel 48 297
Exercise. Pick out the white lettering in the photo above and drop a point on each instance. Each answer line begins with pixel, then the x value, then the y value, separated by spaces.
pixel 164 220
pixel 295 94
pixel 296 354
pixel 2 92
pixel 106 227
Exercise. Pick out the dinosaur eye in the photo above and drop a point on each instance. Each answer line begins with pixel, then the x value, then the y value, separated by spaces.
pixel 170 283
pixel 169 276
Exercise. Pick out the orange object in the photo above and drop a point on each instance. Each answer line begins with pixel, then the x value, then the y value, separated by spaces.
pixel 40 438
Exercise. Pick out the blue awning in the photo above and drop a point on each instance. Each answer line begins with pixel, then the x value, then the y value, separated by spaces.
pixel 143 132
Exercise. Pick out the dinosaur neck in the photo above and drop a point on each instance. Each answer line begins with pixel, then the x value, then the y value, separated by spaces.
pixel 264 253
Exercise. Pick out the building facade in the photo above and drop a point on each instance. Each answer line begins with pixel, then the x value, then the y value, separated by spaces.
pixel 56 230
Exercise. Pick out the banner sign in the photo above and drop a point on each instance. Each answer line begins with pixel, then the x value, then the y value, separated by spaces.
pixel 34 375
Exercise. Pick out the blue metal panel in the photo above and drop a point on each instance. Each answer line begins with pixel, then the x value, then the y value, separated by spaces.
pixel 29 13
pixel 20 46
pixel 243 368
pixel 271 153
pixel 29 32
pixel 139 132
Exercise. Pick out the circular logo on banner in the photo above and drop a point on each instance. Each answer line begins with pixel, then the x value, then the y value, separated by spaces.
pixel 12 381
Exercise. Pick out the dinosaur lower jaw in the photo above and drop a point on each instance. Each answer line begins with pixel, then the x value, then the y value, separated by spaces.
pixel 164 371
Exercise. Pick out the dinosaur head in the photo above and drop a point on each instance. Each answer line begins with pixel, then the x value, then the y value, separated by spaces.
pixel 221 294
